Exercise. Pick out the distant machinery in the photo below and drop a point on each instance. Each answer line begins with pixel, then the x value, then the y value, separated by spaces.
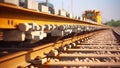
pixel 93 15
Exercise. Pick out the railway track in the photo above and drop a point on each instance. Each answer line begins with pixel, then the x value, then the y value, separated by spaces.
pixel 103 51
pixel 93 50
pixel 8 56
pixel 62 40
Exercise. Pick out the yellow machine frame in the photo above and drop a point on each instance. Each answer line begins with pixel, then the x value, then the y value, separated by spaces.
pixel 11 16
pixel 93 15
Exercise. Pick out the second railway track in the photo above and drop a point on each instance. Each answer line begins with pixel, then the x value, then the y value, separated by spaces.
pixel 93 50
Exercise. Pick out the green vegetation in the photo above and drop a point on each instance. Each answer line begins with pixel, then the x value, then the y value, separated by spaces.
pixel 113 23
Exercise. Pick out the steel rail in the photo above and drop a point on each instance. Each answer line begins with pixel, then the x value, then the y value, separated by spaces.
pixel 116 30
pixel 91 64
pixel 21 58
pixel 86 55
pixel 84 50
pixel 97 46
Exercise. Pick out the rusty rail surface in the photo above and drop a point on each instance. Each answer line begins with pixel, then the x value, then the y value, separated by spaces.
pixel 21 58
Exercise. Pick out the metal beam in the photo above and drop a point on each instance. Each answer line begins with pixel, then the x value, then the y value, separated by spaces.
pixel 11 16
pixel 90 50
pixel 92 64
pixel 86 55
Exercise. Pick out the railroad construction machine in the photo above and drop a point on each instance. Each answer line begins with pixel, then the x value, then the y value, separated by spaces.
pixel 93 15
pixel 22 20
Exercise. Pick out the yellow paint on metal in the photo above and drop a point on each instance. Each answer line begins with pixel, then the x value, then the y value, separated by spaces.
pixel 11 16
pixel 93 15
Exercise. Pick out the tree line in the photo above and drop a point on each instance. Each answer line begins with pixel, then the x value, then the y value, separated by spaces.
pixel 113 23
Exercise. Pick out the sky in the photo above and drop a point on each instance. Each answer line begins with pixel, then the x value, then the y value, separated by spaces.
pixel 110 9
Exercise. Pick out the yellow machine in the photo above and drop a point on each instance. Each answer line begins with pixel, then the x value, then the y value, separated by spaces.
pixel 21 24
pixel 93 15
